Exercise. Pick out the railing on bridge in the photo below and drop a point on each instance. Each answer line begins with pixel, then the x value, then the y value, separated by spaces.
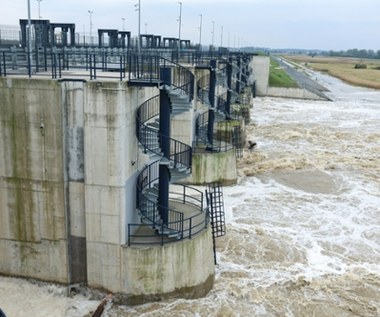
pixel 95 62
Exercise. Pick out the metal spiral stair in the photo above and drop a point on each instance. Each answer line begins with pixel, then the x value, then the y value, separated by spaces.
pixel 203 96
pixel 178 162
pixel 222 101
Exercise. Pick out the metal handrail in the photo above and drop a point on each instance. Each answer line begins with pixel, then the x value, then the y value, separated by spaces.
pixel 194 225
pixel 184 228
pixel 221 103
pixel 183 79
pixel 221 141
pixel 3 66
pixel 95 63
pixel 144 64
pixel 146 67
pixel 180 153
pixel 203 85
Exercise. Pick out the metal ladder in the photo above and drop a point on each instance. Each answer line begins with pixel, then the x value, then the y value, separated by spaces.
pixel 215 202
pixel 237 141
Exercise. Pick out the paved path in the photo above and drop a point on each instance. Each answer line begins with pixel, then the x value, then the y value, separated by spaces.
pixel 301 77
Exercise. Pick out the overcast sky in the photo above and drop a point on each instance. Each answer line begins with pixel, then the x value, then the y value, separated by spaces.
pixel 308 24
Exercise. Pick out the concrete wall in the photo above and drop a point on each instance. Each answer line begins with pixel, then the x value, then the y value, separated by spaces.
pixel 181 127
pixel 211 167
pixel 296 93
pixel 111 164
pixel 33 239
pixel 183 269
pixel 261 66
pixel 260 74
pixel 72 105
pixel 68 164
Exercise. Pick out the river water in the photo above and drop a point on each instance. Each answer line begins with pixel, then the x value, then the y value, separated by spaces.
pixel 303 222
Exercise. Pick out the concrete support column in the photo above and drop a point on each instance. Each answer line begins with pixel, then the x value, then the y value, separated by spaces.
pixel 23 35
pixel 164 131
pixel 211 96
pixel 64 37
pixel 229 87
pixel 245 71
pixel 238 75
pixel 52 37
pixel 72 37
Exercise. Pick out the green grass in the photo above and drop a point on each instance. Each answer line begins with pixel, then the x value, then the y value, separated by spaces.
pixel 278 77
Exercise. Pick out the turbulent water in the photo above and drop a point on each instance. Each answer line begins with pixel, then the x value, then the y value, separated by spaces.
pixel 303 223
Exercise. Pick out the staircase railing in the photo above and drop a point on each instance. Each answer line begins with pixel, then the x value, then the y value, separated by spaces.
pixel 203 85
pixel 143 67
pixel 222 138
pixel 177 226
pixel 148 179
pixel 150 138
pixel 221 103
pixel 183 227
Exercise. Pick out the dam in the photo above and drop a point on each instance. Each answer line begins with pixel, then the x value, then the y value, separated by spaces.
pixel 104 150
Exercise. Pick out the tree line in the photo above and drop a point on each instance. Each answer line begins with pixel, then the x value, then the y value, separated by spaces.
pixel 356 53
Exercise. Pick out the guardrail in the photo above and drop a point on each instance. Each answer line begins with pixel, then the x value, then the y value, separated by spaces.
pixel 150 139
pixel 96 62
pixel 179 225
pixel 145 70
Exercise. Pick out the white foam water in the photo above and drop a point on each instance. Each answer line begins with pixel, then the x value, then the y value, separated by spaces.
pixel 20 297
pixel 303 222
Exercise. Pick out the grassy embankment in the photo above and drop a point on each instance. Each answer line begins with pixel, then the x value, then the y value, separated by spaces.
pixel 344 68
pixel 278 77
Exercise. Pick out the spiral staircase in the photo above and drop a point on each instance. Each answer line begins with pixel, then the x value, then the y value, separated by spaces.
pixel 218 105
pixel 161 203
pixel 170 160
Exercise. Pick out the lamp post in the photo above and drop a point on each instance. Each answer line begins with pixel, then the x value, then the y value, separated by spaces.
pixel 200 32
pixel 123 19
pixel 29 42
pixel 179 24
pixel 90 12
pixel 138 8
pixel 221 36
pixel 213 32
pixel 39 12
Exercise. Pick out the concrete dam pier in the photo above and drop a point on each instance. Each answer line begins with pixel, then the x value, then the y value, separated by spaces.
pixel 96 175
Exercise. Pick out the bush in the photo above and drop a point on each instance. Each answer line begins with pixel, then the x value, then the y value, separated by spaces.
pixel 360 66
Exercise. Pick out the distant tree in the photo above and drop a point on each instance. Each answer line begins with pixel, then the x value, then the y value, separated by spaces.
pixel 371 54
pixel 354 52
pixel 363 54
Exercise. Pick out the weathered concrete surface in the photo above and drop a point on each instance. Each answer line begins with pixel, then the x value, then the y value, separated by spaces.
pixel 260 74
pixel 296 93
pixel 32 227
pixel 183 269
pixel 182 128
pixel 112 162
pixel 68 167
pixel 209 167
pixel 72 105
pixel 151 273
pixel 308 88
